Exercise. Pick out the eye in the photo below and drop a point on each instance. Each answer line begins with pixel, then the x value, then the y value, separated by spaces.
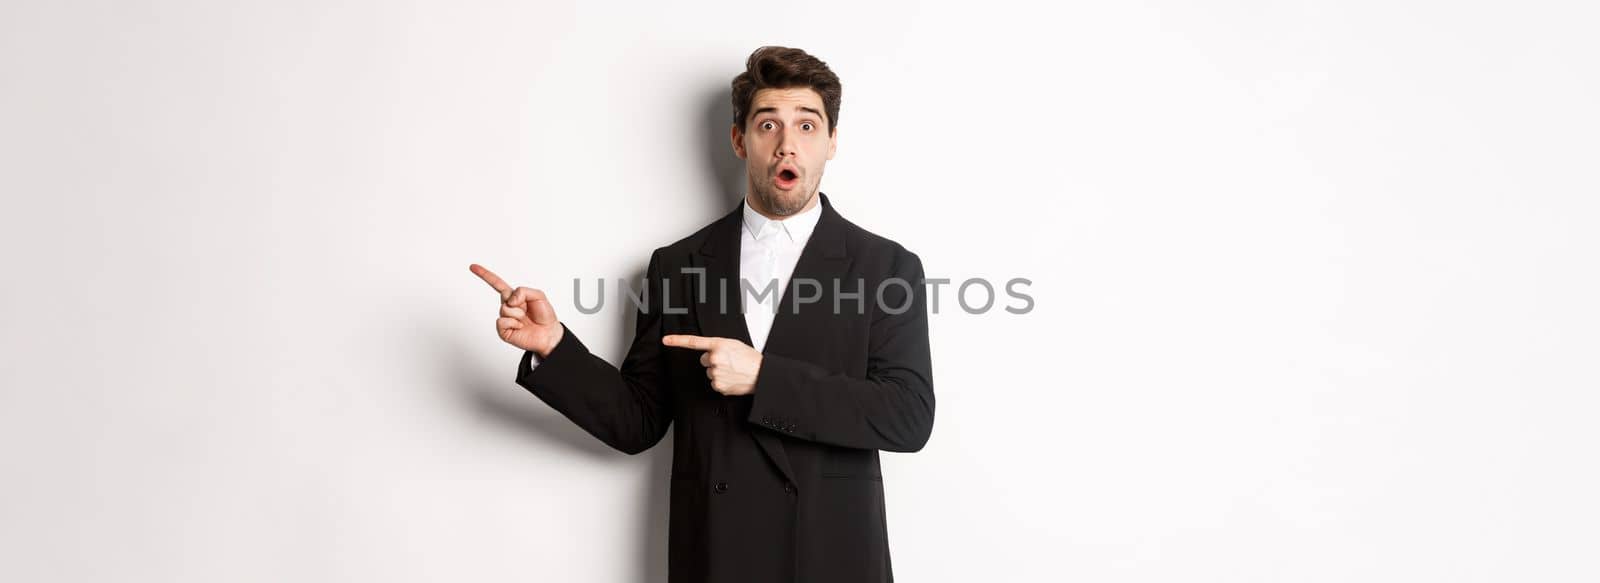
pixel 807 126
pixel 766 125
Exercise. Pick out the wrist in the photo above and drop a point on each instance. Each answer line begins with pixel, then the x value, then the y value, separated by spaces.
pixel 549 346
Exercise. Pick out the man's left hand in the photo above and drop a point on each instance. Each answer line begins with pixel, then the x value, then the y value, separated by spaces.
pixel 730 364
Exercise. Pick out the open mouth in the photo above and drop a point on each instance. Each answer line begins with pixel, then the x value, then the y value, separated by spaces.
pixel 786 179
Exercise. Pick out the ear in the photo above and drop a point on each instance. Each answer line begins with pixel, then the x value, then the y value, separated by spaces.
pixel 737 137
pixel 833 142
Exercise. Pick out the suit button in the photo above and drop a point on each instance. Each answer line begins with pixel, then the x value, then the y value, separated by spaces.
pixel 721 410
pixel 788 488
pixel 721 487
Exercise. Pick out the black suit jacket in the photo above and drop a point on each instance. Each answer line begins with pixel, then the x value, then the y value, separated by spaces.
pixel 781 485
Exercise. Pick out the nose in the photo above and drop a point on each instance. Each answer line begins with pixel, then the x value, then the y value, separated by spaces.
pixel 786 143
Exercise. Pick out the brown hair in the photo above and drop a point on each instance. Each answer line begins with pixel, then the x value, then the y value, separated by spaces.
pixel 785 68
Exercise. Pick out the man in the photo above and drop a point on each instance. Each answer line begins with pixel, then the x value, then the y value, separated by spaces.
pixel 778 408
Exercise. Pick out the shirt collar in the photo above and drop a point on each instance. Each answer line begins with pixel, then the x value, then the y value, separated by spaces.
pixel 797 227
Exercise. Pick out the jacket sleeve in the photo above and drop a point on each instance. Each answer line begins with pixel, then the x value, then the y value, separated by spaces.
pixel 628 409
pixel 891 409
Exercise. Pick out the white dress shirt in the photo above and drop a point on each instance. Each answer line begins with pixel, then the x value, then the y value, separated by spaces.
pixel 768 252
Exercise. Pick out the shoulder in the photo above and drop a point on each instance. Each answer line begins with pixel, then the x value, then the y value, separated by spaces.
pixel 872 244
pixel 693 242
pixel 875 253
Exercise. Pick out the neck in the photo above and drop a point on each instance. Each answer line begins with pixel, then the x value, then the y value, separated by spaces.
pixel 816 199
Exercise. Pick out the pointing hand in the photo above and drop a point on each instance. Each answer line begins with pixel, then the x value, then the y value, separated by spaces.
pixel 527 320
pixel 731 365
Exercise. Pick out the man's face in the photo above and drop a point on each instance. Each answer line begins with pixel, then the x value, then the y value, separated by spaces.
pixel 784 144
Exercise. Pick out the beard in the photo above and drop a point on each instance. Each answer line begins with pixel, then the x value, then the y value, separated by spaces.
pixel 783 203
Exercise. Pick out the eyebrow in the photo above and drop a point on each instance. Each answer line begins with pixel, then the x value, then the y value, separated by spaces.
pixel 813 111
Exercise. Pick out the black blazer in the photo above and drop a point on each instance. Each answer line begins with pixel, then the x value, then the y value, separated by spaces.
pixel 781 485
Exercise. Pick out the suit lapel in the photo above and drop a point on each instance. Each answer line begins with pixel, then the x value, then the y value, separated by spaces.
pixel 823 260
pixel 718 312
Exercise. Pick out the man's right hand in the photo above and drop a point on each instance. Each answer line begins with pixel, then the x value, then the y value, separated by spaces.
pixel 527 320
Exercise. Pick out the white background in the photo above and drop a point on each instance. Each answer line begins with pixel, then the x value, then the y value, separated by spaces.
pixel 1314 281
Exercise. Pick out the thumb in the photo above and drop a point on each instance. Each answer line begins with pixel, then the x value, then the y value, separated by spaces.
pixel 541 312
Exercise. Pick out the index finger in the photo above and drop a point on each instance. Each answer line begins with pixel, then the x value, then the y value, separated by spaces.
pixel 489 277
pixel 689 341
